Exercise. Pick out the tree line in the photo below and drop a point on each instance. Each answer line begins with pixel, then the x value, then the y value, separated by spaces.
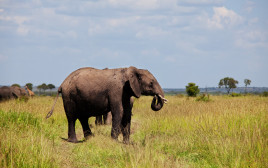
pixel 228 83
pixel 43 87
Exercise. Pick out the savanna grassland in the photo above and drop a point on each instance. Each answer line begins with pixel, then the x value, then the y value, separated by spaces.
pixel 225 132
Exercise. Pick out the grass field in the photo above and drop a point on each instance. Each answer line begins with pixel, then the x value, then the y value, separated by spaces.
pixel 225 132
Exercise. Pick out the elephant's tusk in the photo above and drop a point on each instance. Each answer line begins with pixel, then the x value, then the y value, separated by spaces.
pixel 165 100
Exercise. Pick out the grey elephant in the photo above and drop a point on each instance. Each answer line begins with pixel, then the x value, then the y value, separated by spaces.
pixel 104 119
pixel 107 118
pixel 89 92
pixel 12 92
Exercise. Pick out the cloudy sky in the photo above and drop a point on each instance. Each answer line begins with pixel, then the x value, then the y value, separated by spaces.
pixel 179 41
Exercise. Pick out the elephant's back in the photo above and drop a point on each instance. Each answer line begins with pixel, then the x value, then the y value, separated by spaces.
pixel 82 78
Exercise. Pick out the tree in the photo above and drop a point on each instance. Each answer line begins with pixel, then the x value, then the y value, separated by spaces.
pixel 50 86
pixel 192 90
pixel 247 82
pixel 29 85
pixel 44 87
pixel 39 87
pixel 16 85
pixel 228 83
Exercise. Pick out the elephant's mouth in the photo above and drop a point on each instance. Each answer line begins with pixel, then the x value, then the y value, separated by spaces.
pixel 156 106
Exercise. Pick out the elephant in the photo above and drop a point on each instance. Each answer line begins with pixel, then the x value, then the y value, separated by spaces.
pixel 107 118
pixel 104 119
pixel 12 92
pixel 89 92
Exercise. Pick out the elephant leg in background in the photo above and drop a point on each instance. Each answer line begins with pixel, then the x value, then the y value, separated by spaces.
pixel 98 120
pixel 85 126
pixel 69 107
pixel 104 119
pixel 107 118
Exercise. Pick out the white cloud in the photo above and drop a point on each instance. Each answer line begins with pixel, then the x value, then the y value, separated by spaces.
pixel 252 39
pixel 19 21
pixel 22 30
pixel 201 2
pixel 224 18
pixel 249 6
pixel 141 4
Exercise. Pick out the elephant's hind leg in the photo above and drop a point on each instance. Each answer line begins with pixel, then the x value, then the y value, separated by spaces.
pixel 69 107
pixel 71 131
pixel 85 126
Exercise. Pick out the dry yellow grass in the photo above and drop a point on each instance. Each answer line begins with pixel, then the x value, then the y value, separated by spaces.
pixel 225 132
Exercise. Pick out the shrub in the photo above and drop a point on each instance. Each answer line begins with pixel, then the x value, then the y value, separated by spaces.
pixel 192 90
pixel 22 99
pixel 264 94
pixel 180 95
pixel 235 94
pixel 203 97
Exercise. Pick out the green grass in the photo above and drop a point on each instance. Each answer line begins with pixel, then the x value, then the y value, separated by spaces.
pixel 224 132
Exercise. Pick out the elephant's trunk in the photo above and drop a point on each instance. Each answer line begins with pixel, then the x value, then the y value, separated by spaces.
pixel 160 102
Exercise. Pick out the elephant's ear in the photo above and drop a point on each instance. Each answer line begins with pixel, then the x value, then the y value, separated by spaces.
pixel 133 77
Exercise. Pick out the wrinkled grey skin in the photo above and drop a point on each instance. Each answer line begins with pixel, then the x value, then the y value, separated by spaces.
pixel 12 92
pixel 107 118
pixel 89 92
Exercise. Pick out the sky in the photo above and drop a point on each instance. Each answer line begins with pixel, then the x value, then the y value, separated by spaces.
pixel 178 41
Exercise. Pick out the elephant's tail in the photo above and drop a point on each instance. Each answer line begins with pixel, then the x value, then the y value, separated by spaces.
pixel 51 111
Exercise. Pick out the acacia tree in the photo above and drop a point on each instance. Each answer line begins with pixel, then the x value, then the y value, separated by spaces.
pixel 29 85
pixel 228 83
pixel 39 87
pixel 16 85
pixel 247 82
pixel 44 87
pixel 192 90
pixel 50 87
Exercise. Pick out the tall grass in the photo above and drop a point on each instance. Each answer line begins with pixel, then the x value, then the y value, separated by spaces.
pixel 224 132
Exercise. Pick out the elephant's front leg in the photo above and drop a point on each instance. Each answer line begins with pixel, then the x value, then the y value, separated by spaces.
pixel 125 126
pixel 117 114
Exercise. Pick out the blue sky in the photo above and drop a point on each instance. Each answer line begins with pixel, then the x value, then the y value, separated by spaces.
pixel 179 41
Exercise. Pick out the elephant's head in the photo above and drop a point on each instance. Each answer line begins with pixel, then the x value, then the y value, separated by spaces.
pixel 142 82
pixel 18 92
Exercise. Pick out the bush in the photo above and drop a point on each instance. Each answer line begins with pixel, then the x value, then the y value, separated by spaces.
pixel 235 94
pixel 180 95
pixel 23 99
pixel 204 98
pixel 264 94
pixel 192 90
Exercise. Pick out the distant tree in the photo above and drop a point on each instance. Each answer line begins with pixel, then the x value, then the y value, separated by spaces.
pixel 29 85
pixel 192 90
pixel 50 87
pixel 228 83
pixel 39 87
pixel 44 87
pixel 16 85
pixel 247 82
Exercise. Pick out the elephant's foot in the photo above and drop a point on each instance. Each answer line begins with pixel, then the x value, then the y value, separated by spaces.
pixel 126 142
pixel 73 140
pixel 88 134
